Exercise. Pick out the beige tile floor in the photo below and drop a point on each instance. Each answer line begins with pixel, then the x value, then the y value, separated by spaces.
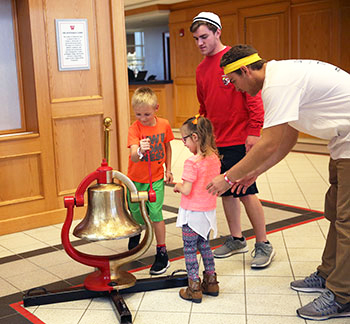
pixel 246 296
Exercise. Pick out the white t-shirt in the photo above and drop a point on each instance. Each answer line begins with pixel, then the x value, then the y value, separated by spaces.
pixel 312 97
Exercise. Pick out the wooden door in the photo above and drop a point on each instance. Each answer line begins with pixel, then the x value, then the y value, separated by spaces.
pixel 39 168
pixel 266 28
pixel 314 31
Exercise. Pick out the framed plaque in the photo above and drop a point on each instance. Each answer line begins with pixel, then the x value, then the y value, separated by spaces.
pixel 72 44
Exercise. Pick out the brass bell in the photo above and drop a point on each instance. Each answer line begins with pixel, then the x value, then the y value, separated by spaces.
pixel 106 218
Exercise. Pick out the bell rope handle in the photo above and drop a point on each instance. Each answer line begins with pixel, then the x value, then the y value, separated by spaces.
pixel 151 194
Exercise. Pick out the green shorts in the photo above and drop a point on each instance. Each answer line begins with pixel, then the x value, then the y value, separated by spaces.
pixel 154 209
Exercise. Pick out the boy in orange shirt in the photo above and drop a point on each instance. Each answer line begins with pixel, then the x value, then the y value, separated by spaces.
pixel 153 134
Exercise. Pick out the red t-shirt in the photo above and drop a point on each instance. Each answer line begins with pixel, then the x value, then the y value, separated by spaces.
pixel 159 134
pixel 234 114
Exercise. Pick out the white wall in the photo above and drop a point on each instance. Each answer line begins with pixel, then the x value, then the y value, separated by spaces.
pixel 153 38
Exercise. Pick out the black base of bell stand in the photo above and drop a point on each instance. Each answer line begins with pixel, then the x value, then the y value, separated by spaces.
pixel 40 296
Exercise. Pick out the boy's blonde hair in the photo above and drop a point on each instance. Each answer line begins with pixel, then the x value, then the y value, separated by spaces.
pixel 144 96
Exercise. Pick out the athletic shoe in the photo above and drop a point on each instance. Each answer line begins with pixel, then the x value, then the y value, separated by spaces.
pixel 230 247
pixel 134 241
pixel 324 307
pixel 161 263
pixel 312 283
pixel 263 254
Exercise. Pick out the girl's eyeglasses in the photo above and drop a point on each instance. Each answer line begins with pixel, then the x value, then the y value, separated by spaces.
pixel 185 137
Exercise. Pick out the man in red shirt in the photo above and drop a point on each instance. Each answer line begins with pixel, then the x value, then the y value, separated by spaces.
pixel 237 119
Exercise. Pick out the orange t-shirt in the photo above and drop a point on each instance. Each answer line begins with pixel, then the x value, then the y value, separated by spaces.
pixel 159 134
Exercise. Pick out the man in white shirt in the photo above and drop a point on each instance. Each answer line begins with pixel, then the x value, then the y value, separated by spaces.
pixel 312 97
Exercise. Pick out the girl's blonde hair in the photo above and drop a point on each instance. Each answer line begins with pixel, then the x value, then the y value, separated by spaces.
pixel 144 96
pixel 204 129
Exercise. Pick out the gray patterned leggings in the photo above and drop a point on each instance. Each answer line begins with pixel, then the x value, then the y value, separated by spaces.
pixel 192 242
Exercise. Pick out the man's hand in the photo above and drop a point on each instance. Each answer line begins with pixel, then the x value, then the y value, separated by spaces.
pixel 250 142
pixel 242 184
pixel 218 185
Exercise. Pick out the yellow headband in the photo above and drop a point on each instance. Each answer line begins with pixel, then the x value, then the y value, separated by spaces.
pixel 241 62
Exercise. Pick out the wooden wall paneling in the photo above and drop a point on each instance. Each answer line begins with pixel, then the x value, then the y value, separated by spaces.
pixel 132 89
pixel 146 9
pixel 41 86
pixel 72 85
pixel 33 220
pixel 185 15
pixel 121 88
pixel 344 37
pixel 104 32
pixel 221 8
pixel 169 104
pixel 187 57
pixel 78 150
pixel 28 158
pixel 313 29
pixel 77 98
pixel 78 125
pixel 296 2
pixel 229 33
pixel 186 100
pixel 20 144
pixel 161 96
pixel 20 165
pixel 164 93
pixel 78 108
pixel 267 29
pixel 186 11
pixel 67 143
pixel 23 177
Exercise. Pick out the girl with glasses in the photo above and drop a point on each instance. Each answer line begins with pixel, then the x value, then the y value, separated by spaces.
pixel 197 212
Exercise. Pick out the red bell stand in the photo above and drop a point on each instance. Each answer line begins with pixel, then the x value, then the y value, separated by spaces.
pixel 108 279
